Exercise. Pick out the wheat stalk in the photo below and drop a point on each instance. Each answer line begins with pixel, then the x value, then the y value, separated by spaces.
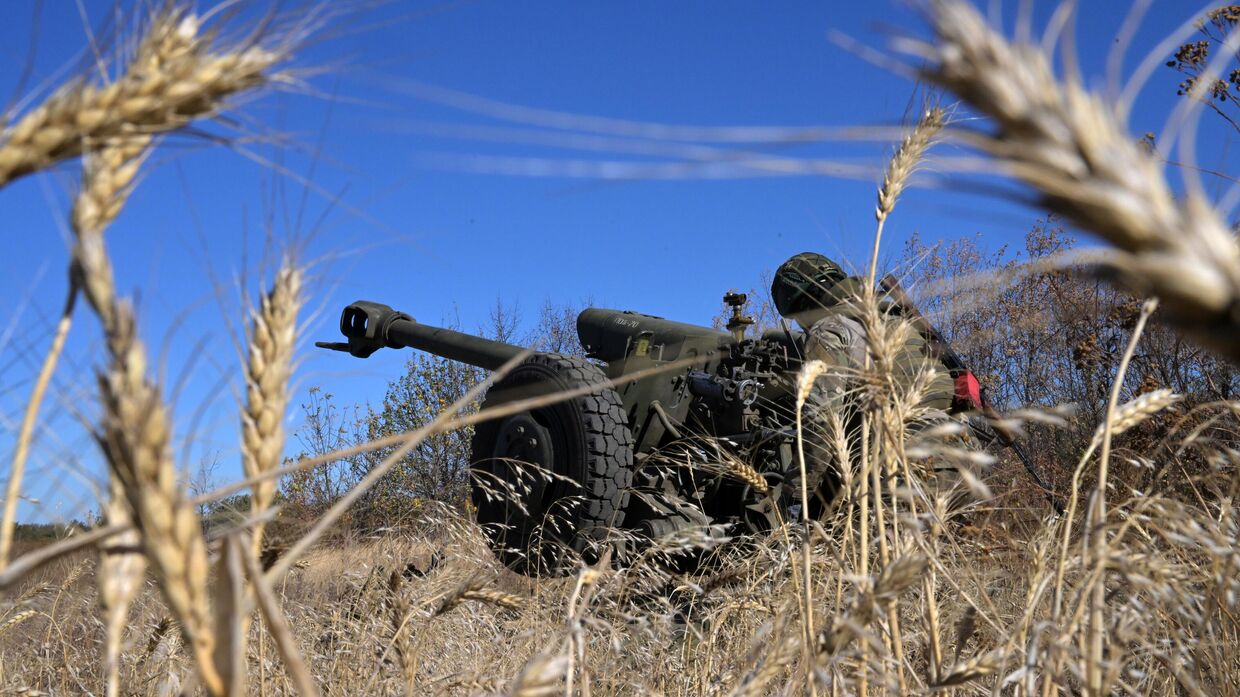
pixel 445 421
pixel 900 169
pixel 28 562
pixel 17 619
pixel 883 340
pixel 773 662
pixel 907 157
pixel 542 676
pixel 179 78
pixel 806 378
pixel 233 606
pixel 107 178
pixel 272 336
pixel 742 471
pixel 1095 676
pixel 407 441
pixel 1134 412
pixel 121 571
pixel 286 643
pixel 135 439
pixel 25 431
pixel 508 601
pixel 974 668
pixel 1072 147
pixel 399 615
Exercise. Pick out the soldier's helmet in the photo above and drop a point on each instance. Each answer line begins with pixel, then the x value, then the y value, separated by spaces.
pixel 804 282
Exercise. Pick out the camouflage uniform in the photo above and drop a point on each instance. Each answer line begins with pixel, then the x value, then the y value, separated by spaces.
pixel 814 291
pixel 836 336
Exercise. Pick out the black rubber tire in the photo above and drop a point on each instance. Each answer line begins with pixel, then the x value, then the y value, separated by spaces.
pixel 570 516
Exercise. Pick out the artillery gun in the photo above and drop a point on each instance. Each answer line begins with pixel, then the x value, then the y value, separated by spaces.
pixel 647 453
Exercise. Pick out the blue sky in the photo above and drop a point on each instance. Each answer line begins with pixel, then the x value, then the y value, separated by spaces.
pixel 442 209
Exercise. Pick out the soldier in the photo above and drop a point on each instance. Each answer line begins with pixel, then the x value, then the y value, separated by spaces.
pixel 815 292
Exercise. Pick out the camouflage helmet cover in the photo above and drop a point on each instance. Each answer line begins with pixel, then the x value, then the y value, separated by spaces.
pixel 804 282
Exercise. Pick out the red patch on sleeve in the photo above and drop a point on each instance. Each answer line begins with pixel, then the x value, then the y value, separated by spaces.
pixel 968 391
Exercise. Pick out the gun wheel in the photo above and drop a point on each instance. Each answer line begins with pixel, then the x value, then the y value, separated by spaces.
pixel 551 482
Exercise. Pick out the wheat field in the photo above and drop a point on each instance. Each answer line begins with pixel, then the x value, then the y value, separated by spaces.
pixel 909 585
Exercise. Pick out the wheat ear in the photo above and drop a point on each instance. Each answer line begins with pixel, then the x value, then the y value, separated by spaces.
pixel 173 79
pixel 107 177
pixel 121 571
pixel 1132 413
pixel 1071 146
pixel 977 667
pixel 907 157
pixel 490 596
pixel 136 441
pixel 895 578
pixel 399 615
pixel 17 619
pixel 773 662
pixel 900 168
pixel 543 676
pixel 181 79
pixel 136 430
pixel 272 336
pixel 743 472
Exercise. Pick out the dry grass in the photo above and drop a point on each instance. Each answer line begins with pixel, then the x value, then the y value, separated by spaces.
pixel 733 628
pixel 899 590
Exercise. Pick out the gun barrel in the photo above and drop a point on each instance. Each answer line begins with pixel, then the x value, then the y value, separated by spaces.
pixel 370 326
pixel 453 345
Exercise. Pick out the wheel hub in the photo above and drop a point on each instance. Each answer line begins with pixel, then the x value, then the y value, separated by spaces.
pixel 523 440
